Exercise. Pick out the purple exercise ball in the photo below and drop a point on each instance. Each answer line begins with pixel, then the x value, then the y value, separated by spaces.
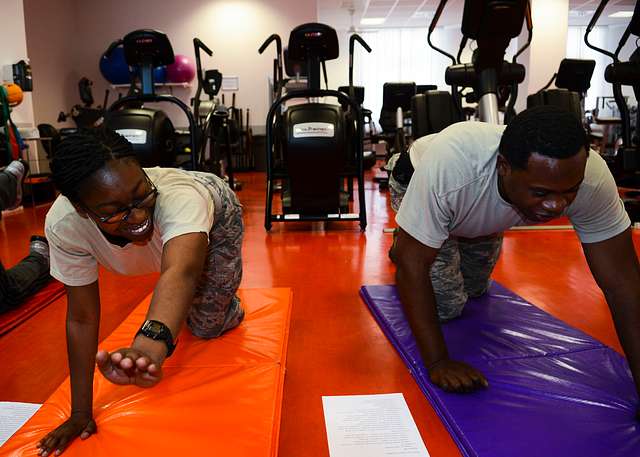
pixel 181 71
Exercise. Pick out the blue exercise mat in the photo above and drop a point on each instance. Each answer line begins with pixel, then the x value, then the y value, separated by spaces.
pixel 553 390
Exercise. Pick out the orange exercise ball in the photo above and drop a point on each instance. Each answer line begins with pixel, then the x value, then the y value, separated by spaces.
pixel 14 94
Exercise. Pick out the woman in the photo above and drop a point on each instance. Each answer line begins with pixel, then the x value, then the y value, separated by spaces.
pixel 186 225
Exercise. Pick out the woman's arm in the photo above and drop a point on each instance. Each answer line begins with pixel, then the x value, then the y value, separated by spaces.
pixel 183 259
pixel 182 263
pixel 83 323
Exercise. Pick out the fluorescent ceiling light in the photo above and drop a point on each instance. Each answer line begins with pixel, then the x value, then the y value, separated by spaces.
pixel 622 14
pixel 581 13
pixel 372 20
pixel 423 15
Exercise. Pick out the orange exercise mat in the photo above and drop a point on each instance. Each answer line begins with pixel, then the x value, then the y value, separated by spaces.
pixel 218 397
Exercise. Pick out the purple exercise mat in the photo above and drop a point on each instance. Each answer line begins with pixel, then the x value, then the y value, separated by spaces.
pixel 554 391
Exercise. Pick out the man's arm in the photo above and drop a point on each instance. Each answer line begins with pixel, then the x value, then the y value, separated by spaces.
pixel 413 261
pixel 182 263
pixel 615 268
pixel 83 323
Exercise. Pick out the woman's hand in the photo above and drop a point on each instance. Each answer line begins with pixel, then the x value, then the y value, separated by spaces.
pixel 129 366
pixel 79 424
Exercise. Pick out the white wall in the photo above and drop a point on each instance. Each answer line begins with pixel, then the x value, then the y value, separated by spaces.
pixel 548 47
pixel 51 39
pixel 233 30
pixel 13 49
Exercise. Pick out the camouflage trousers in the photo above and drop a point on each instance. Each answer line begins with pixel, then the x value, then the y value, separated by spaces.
pixel 216 307
pixel 462 268
pixel 396 189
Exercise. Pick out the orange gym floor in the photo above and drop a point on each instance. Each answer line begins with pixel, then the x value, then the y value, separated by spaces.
pixel 335 346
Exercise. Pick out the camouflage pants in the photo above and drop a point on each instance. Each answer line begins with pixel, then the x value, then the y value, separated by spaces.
pixel 396 189
pixel 216 308
pixel 462 268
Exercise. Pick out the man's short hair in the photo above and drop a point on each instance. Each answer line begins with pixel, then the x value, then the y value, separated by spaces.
pixel 546 130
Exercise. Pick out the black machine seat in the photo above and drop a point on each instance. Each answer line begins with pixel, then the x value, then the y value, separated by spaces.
pixel 358 92
pixel 394 96
pixel 575 75
pixel 433 111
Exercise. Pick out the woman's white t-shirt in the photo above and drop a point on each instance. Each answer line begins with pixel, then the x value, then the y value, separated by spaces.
pixel 77 245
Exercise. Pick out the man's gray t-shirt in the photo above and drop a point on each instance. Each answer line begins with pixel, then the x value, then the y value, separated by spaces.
pixel 454 191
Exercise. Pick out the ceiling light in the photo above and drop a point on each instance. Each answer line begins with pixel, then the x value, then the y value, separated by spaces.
pixel 423 15
pixel 372 20
pixel 622 14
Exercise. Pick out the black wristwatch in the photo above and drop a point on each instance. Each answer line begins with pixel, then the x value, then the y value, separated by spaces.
pixel 156 330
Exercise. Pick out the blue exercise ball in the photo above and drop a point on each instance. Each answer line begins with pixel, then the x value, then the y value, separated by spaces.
pixel 159 74
pixel 114 67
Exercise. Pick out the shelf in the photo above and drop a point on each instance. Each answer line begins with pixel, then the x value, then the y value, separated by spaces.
pixel 157 85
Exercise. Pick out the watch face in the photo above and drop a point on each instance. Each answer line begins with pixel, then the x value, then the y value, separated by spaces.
pixel 154 327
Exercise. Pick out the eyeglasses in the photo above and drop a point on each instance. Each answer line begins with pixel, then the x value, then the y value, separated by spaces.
pixel 123 214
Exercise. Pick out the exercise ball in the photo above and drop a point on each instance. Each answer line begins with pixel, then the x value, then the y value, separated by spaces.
pixel 14 94
pixel 159 74
pixel 181 70
pixel 114 67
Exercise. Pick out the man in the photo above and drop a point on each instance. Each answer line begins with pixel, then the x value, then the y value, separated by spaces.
pixel 474 180
pixel 32 272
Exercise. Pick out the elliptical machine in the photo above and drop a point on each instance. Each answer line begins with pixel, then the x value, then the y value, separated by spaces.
pixel 150 131
pixel 618 73
pixel 311 147
pixel 492 24
pixel 212 118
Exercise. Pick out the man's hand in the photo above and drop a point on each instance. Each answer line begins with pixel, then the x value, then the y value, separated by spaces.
pixel 458 377
pixel 129 366
pixel 79 424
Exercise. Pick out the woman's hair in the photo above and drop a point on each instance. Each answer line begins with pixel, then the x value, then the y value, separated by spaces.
pixel 81 154
pixel 546 130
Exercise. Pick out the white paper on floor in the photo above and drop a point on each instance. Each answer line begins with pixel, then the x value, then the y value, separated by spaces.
pixel 371 426
pixel 13 415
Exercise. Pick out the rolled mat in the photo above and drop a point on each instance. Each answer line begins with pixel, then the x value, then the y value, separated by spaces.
pixel 218 397
pixel 553 390
pixel 41 299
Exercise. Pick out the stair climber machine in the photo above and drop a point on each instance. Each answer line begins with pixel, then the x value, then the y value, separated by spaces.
pixel 312 147
pixel 150 131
